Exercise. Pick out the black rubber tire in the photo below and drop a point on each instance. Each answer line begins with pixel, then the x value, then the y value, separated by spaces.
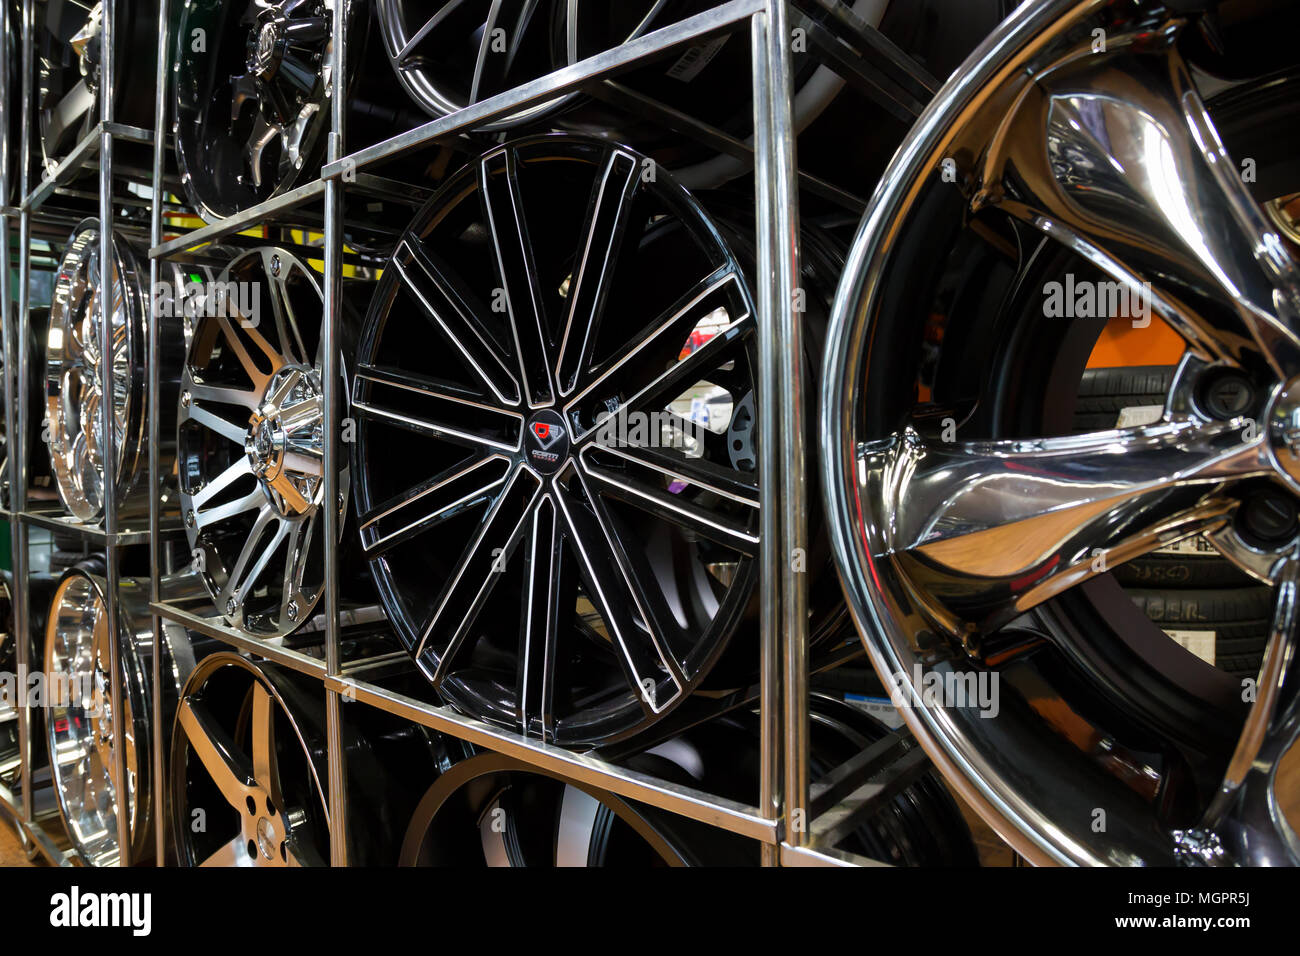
pixel 1182 571
pixel 1239 618
pixel 1105 392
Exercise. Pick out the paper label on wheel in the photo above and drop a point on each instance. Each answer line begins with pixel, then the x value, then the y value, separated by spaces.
pixel 1200 643
pixel 880 708
pixel 1195 546
pixel 1139 415
pixel 692 63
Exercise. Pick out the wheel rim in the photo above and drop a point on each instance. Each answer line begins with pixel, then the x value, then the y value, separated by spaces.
pixel 74 378
pixel 535 486
pixel 240 759
pixel 251 443
pixel 252 112
pixel 493 811
pixel 450 57
pixel 80 726
pixel 940 527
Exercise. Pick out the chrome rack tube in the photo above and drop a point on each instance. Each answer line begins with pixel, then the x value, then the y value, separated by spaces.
pixel 769 708
pixel 18 450
pixel 338 808
pixel 110 439
pixel 7 317
pixel 789 352
pixel 155 476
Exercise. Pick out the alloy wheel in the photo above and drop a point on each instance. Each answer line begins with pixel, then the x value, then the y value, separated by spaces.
pixel 976 532
pixel 251 443
pixel 589 541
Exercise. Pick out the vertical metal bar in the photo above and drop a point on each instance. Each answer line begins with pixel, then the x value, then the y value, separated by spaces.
pixel 7 317
pixel 333 426
pixel 789 351
pixel 769 803
pixel 106 310
pixel 155 469
pixel 17 447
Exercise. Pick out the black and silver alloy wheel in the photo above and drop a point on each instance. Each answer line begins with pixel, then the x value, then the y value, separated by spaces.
pixel 975 530
pixel 451 54
pixel 78 715
pixel 560 548
pixel 249 761
pixel 73 399
pixel 251 443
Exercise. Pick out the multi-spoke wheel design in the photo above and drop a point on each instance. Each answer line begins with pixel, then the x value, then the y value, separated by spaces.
pixel 79 717
pixel 1039 193
pixel 69 61
pixel 74 379
pixel 554 459
pixel 252 105
pixel 248 758
pixel 251 443
pixel 453 53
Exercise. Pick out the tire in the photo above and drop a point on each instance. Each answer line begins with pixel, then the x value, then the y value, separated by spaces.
pixel 1105 392
pixel 1237 617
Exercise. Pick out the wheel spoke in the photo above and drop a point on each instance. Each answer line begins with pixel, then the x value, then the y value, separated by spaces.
pixel 257 376
pixel 653 484
pixel 576 827
pixel 428 407
pixel 1245 814
pixel 607 222
pixel 484 51
pixel 1135 179
pixel 266 766
pixel 224 762
pixel 252 501
pixel 455 313
pixel 237 469
pixel 286 320
pixel 224 396
pixel 242 578
pixel 546 595
pixel 1004 525
pixel 516 271
pixel 479 569
pixel 430 25
pixel 648 372
pixel 640 649
pixel 424 507
pixel 234 853
pixel 236 433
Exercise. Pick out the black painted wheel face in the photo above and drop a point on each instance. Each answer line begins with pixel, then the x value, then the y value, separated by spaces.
pixel 251 104
pixel 548 568
pixel 67 97
pixel 453 53
pixel 245 785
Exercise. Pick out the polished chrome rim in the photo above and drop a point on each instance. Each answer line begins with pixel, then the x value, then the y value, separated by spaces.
pixel 241 764
pixel 571 580
pixel 79 721
pixel 251 443
pixel 252 105
pixel 69 76
pixel 967 556
pixel 74 378
pixel 454 53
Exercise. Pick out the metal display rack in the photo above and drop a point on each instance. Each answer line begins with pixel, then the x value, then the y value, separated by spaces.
pixel 797 821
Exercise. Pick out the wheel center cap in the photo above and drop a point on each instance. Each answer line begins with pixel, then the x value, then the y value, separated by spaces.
pixel 264 57
pixel 285 441
pixel 1284 432
pixel 266 841
pixel 547 442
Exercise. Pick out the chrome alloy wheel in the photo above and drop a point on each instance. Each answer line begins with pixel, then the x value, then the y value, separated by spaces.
pixel 251 443
pixel 558 545
pixel 249 760
pixel 79 716
pixel 979 559
pixel 74 385
pixel 454 53
pixel 251 106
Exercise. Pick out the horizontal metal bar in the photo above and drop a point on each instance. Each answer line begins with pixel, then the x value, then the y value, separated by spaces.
pixel 717 20
pixel 58 521
pixel 864 75
pixel 854 772
pixel 131 134
pixel 874 45
pixel 214 628
pixel 252 216
pixel 838 822
pixel 811 856
pixel 684 801
pixel 71 164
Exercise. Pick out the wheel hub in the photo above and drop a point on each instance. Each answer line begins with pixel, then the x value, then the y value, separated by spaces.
pixel 547 442
pixel 1284 432
pixel 285 442
pixel 266 838
pixel 265 48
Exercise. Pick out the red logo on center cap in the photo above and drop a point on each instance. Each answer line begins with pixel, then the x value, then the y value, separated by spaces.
pixel 547 433
pixel 542 430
